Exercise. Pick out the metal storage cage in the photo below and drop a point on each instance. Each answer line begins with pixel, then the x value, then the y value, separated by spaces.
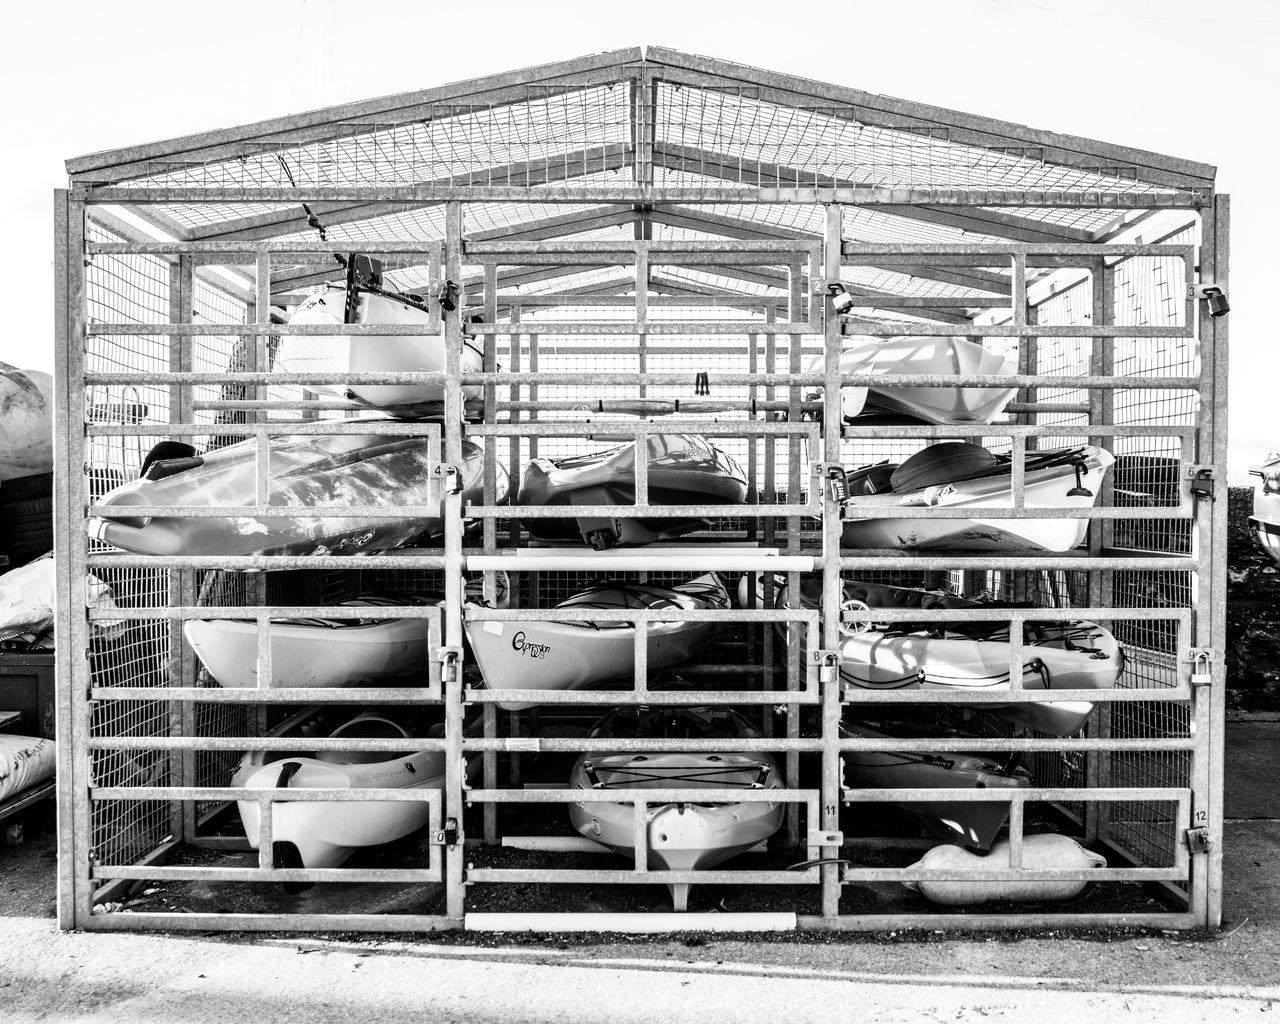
pixel 643 243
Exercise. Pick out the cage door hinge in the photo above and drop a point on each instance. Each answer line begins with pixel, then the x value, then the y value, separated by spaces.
pixel 1199 840
pixel 1201 482
pixel 449 474
pixel 1201 659
pixel 446 836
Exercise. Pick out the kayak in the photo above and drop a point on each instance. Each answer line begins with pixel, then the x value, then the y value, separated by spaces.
pixel 1265 521
pixel 323 834
pixel 1066 655
pixel 974 825
pixel 684 469
pixel 26 422
pixel 343 353
pixel 895 356
pixel 571 655
pixel 322 652
pixel 956 474
pixel 306 470
pixel 680 837
pixel 29 602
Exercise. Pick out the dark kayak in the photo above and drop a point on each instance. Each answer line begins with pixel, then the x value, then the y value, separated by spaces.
pixel 305 471
pixel 684 469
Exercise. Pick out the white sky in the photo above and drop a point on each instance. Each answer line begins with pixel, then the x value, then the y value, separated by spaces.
pixel 1192 80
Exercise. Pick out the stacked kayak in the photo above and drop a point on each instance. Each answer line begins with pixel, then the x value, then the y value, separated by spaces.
pixel 323 834
pixel 972 824
pixel 684 469
pixel 1265 521
pixel 323 652
pixel 341 353
pixel 574 654
pixel 306 471
pixel 679 837
pixel 1067 655
pixel 26 422
pixel 956 474
pixel 891 357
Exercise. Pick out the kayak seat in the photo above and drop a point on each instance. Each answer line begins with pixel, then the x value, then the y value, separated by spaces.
pixel 944 463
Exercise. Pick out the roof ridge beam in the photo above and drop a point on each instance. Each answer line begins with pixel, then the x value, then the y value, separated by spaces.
pixel 966 129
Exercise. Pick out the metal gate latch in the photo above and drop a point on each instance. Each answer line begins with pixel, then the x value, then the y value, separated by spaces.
pixel 828 663
pixel 450 660
pixel 1199 840
pixel 1201 659
pixel 1201 481
pixel 447 836
pixel 818 837
pixel 449 473
pixel 834 480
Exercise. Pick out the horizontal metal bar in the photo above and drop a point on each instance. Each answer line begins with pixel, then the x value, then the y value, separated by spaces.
pixel 272 921
pixel 650 327
pixel 622 876
pixel 653 247
pixel 918 330
pixel 401 559
pixel 480 613
pixel 934 380
pixel 852 874
pixel 1004 250
pixel 248 613
pixel 324 428
pixel 276 695
pixel 248 246
pixel 1034 794
pixel 803 194
pixel 632 923
pixel 656 795
pixel 582 560
pixel 647 698
pixel 643 428
pixel 1013 430
pixel 658 511
pixel 1019 920
pixel 195 873
pixel 264 795
pixel 892 559
pixel 101 511
pixel 284 743
pixel 854 512
pixel 855 695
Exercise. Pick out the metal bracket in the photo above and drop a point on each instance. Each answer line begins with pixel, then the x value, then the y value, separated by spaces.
pixel 1201 659
pixel 450 659
pixel 828 663
pixel 447 836
pixel 818 837
pixel 449 473
pixel 834 480
pixel 1199 840
pixel 1202 481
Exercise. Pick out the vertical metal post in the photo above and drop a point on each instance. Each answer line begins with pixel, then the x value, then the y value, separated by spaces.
pixel 455 767
pixel 68 484
pixel 795 306
pixel 490 712
pixel 832 588
pixel 1214 266
pixel 1102 405
pixel 182 584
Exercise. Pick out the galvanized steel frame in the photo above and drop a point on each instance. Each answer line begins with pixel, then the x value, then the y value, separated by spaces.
pixel 1198 803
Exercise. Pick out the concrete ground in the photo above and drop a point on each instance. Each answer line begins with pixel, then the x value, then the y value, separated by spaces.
pixel 1233 976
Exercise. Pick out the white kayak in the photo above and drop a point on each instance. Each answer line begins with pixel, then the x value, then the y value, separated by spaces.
pixel 959 475
pixel 323 834
pixel 1265 520
pixel 1070 655
pixel 26 422
pixel 680 837
pixel 372 353
pixel 571 655
pixel 971 824
pixel 895 356
pixel 322 652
